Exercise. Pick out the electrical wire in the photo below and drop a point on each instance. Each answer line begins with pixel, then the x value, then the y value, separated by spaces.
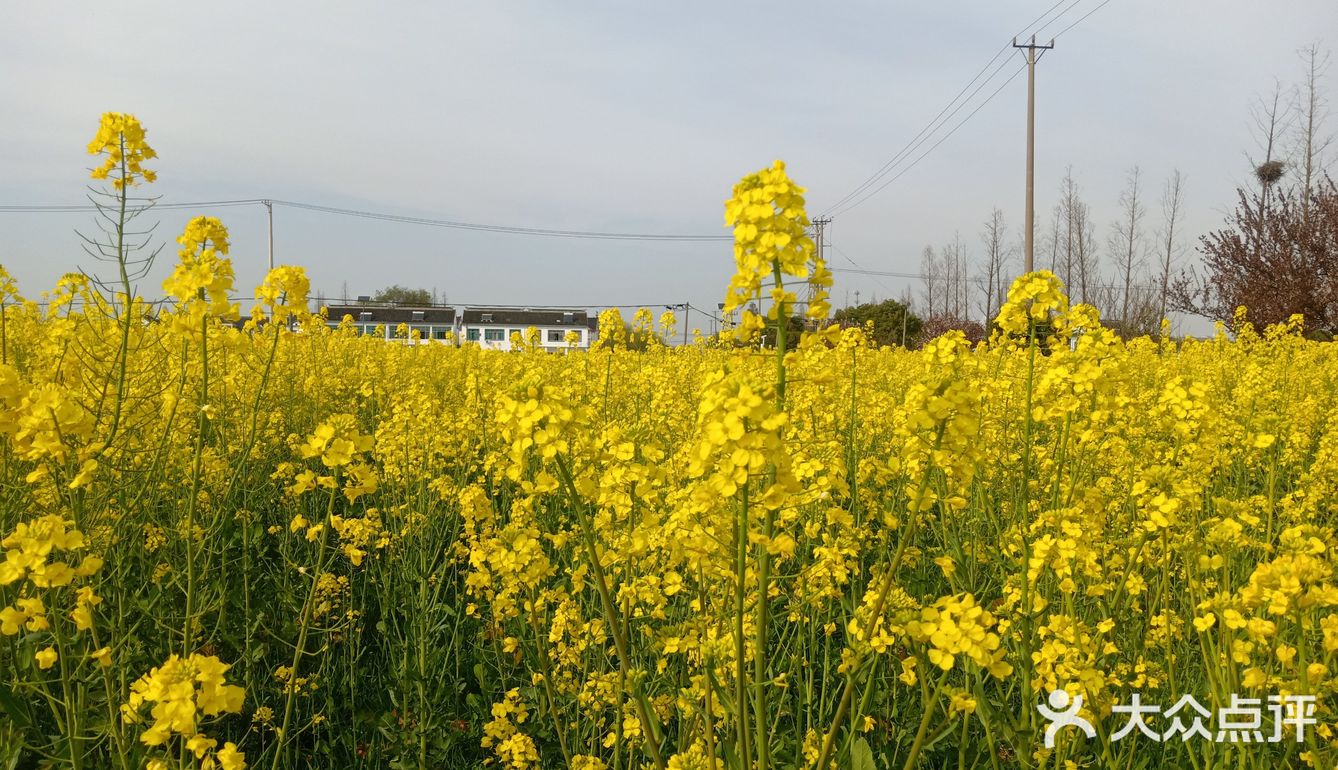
pixel 385 217
pixel 510 229
pixel 949 109
pixel 1057 17
pixel 1084 16
pixel 932 147
pixel 61 209
pixel 858 267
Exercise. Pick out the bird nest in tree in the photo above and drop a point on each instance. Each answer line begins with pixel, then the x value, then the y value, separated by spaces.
pixel 1270 171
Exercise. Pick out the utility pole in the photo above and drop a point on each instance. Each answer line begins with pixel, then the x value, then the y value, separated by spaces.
pixel 820 243
pixel 1029 235
pixel 820 236
pixel 687 308
pixel 269 206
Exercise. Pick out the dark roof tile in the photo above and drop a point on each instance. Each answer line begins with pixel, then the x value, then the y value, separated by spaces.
pixel 512 317
pixel 393 314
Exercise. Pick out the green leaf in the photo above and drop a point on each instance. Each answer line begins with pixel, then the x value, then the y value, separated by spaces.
pixel 861 756
pixel 15 708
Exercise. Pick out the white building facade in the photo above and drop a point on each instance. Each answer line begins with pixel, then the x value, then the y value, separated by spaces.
pixel 497 328
pixel 557 329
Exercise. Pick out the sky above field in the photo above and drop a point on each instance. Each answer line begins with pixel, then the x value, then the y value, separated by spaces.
pixel 622 117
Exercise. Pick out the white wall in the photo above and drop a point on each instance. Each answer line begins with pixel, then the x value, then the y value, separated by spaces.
pixel 505 342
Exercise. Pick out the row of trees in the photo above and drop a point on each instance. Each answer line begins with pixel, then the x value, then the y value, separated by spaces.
pixel 1129 273
pixel 1275 253
pixel 1278 252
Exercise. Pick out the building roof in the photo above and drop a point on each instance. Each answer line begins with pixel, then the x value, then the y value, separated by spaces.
pixel 393 314
pixel 476 316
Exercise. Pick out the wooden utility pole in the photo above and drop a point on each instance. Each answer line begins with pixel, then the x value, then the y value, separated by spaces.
pixel 820 247
pixel 1029 235
pixel 269 206
pixel 820 235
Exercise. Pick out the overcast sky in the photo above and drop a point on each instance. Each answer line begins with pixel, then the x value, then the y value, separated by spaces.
pixel 616 116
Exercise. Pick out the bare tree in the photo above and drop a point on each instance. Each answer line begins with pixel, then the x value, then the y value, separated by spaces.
pixel 1064 232
pixel 994 238
pixel 948 286
pixel 1126 242
pixel 955 295
pixel 963 274
pixel 932 278
pixel 1086 259
pixel 1075 261
pixel 1311 109
pixel 1056 234
pixel 1169 248
pixel 1270 116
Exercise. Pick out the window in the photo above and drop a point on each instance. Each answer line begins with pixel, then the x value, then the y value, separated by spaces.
pixel 364 316
pixel 493 335
pixel 440 334
pixel 418 315
pixel 472 335
pixel 555 335
pixel 486 318
pixel 513 333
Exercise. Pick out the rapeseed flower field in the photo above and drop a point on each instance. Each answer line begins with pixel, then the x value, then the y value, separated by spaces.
pixel 277 544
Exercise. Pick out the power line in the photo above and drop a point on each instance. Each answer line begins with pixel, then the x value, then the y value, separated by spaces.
pixel 1084 16
pixel 950 109
pixel 932 147
pixel 1057 17
pixel 858 267
pixel 706 313
pixel 914 145
pixel 909 145
pixel 915 140
pixel 385 217
pixel 509 229
pixel 61 209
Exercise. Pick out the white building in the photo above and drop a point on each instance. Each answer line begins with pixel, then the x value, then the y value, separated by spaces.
pixel 492 328
pixel 432 323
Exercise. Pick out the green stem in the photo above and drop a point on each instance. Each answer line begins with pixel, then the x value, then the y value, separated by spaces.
pixel 307 609
pixel 929 708
pixel 847 692
pixel 611 613
pixel 201 422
